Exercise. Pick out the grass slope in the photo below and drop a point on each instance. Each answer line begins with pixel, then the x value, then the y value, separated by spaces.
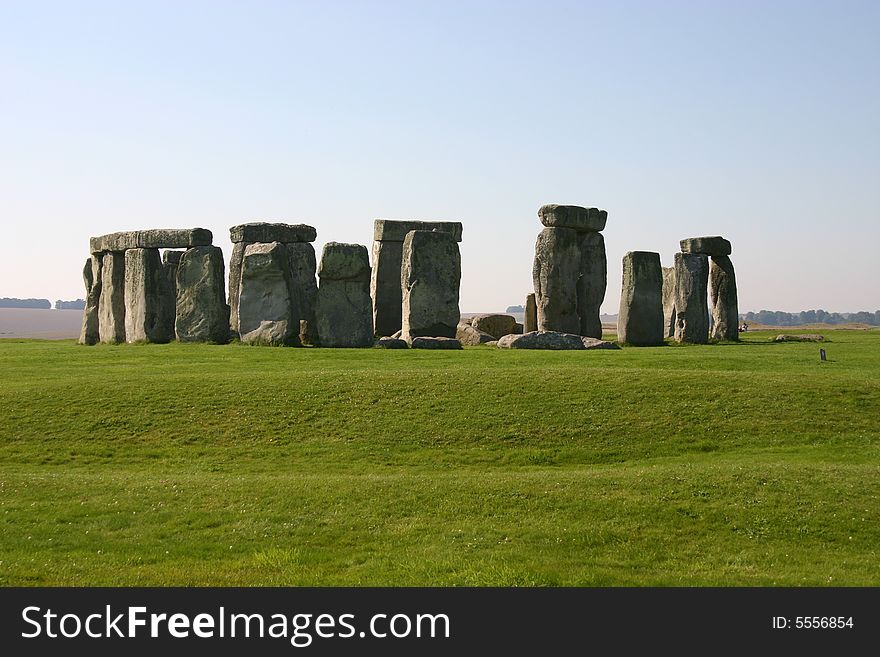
pixel 750 464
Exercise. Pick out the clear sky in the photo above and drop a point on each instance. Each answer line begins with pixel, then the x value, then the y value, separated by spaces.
pixel 759 121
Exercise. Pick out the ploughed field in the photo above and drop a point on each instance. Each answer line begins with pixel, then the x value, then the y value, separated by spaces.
pixel 749 464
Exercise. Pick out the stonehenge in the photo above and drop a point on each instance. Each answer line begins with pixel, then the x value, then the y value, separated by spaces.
pixel 570 270
pixel 111 305
pixel 704 264
pixel 201 311
pixel 640 319
pixel 265 313
pixel 691 307
pixel 668 302
pixel 430 277
pixel 92 280
pixel 722 292
pixel 146 290
pixel 385 281
pixel 343 312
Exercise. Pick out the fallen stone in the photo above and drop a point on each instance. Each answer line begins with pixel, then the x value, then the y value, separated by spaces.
pixel 803 337
pixel 265 309
pixel 593 343
pixel 145 303
pixel 111 305
pixel 470 336
pixel 391 343
pixel 552 340
pixel 722 292
pixel 573 216
pixel 303 289
pixel 592 283
pixel 260 231
pixel 493 343
pixel 90 332
pixel 430 278
pixel 530 322
pixel 640 318
pixel 495 325
pixel 397 335
pixel 343 311
pixel 668 302
pixel 202 313
pixel 555 275
pixel 711 246
pixel 691 305
pixel 392 230
pixel 426 342
pixel 157 238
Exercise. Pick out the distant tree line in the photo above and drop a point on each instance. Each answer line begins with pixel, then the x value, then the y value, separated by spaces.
pixel 779 318
pixel 6 302
pixel 78 304
pixel 515 309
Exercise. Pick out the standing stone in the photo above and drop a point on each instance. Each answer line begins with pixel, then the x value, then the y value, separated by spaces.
pixel 668 302
pixel 343 310
pixel 640 319
pixel 385 284
pixel 265 309
pixel 691 306
pixel 235 262
pixel 170 264
pixel 90 333
pixel 555 275
pixel 430 280
pixel 145 318
pixel 592 283
pixel 202 313
pixel 530 322
pixel 303 289
pixel 722 291
pixel 111 305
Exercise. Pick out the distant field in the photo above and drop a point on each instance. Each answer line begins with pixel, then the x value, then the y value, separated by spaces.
pixel 39 323
pixel 749 464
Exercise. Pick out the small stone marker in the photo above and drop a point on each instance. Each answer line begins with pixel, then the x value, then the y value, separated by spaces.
pixel 822 355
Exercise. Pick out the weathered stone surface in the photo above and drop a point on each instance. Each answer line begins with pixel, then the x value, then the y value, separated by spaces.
pixel 90 332
pixel 391 230
pixel 495 325
pixel 146 290
pixel 385 287
pixel 304 289
pixel 592 283
pixel 555 275
pixel 466 320
pixel 391 343
pixel 202 313
pixel 593 343
pixel 343 311
pixel 573 216
pixel 552 340
pixel 265 308
pixel 425 342
pixel 344 262
pixel 640 319
pixel 803 337
pixel 170 265
pixel 494 343
pixel 530 322
pixel 518 329
pixel 722 292
pixel 468 335
pixel 430 279
pixel 111 305
pixel 668 302
pixel 156 238
pixel 235 263
pixel 691 305
pixel 260 231
pixel 396 335
pixel 711 246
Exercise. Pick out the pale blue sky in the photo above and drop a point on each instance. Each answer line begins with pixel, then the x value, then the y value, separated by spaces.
pixel 759 121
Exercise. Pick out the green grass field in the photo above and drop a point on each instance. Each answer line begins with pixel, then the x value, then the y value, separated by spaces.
pixel 749 464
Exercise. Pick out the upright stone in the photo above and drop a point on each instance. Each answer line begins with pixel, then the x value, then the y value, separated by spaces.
pixel 90 333
pixel 430 280
pixel 145 309
pixel 202 313
pixel 555 275
pixel 668 302
pixel 530 322
pixel 235 262
pixel 170 265
pixel 722 291
pixel 592 283
pixel 304 289
pixel 640 319
pixel 343 311
pixel 111 306
pixel 691 307
pixel 265 308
